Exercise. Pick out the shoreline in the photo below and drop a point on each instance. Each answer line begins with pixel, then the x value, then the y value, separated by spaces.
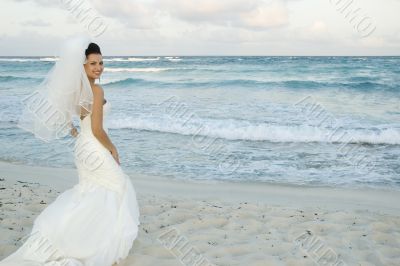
pixel 223 181
pixel 256 192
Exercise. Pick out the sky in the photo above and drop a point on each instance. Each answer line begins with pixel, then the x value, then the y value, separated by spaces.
pixel 203 27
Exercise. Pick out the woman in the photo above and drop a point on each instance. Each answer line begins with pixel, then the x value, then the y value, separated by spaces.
pixel 96 221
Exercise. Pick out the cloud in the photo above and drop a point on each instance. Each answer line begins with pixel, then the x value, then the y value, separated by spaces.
pixel 206 10
pixel 316 32
pixel 35 23
pixel 43 2
pixel 136 14
pixel 250 14
pixel 132 13
pixel 29 42
pixel 265 16
pixel 318 27
pixel 141 14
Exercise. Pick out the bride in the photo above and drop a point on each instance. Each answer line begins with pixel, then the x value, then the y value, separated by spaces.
pixel 96 222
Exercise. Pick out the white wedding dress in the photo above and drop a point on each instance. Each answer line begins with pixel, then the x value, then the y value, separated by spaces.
pixel 94 223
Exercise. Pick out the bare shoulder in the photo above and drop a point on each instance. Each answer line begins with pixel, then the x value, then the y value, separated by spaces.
pixel 98 90
pixel 98 97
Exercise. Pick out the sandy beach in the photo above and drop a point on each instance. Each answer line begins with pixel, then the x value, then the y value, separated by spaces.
pixel 188 223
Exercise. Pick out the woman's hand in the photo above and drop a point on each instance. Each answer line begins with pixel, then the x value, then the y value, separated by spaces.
pixel 115 155
pixel 74 132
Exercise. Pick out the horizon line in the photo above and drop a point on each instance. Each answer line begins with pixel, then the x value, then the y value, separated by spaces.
pixel 217 55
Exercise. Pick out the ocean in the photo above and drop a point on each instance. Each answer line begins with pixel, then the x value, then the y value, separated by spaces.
pixel 308 121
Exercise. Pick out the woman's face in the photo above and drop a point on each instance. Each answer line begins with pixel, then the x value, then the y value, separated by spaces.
pixel 94 66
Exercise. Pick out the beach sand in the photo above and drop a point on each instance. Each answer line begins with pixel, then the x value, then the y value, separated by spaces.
pixel 188 223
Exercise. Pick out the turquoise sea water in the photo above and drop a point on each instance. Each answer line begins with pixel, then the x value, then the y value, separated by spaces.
pixel 331 121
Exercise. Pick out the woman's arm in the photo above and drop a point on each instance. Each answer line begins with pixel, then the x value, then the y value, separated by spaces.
pixel 97 122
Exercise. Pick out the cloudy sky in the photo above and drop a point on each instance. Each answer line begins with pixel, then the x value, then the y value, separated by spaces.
pixel 204 27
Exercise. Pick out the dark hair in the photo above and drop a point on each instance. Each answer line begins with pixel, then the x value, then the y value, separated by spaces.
pixel 92 49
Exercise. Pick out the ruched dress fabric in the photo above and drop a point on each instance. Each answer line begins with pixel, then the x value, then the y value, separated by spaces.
pixel 92 224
